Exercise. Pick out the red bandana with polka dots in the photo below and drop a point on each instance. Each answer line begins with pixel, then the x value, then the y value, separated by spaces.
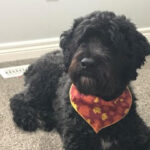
pixel 97 112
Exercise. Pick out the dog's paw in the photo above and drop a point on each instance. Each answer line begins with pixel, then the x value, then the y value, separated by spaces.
pixel 46 120
pixel 23 115
pixel 26 121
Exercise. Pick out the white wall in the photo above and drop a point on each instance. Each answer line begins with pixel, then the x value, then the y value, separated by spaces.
pixel 23 20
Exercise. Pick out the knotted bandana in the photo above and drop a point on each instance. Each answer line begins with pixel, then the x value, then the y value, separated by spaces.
pixel 97 112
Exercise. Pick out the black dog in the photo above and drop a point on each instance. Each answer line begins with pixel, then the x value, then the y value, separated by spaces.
pixel 101 54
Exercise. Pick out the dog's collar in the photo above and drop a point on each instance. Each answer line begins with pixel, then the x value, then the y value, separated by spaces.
pixel 97 112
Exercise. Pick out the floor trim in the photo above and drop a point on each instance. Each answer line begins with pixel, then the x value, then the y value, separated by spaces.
pixel 35 48
pixel 27 49
pixel 145 32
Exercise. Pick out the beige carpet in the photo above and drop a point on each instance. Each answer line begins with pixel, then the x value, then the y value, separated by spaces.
pixel 12 138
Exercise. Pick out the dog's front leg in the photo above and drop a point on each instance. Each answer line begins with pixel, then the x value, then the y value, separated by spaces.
pixel 32 108
pixel 24 114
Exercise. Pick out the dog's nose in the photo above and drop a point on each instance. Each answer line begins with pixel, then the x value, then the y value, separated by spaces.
pixel 87 62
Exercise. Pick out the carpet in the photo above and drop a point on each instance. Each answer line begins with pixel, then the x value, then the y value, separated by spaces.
pixel 12 138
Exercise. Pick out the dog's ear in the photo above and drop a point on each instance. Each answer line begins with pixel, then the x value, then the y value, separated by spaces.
pixel 139 46
pixel 67 43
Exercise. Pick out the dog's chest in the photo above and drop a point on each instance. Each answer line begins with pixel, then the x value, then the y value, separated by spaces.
pixel 107 144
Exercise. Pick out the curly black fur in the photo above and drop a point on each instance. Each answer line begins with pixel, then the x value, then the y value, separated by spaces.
pixel 114 50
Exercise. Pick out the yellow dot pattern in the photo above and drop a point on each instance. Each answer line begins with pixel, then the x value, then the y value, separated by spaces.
pixel 116 101
pixel 121 100
pixel 96 100
pixel 126 111
pixel 96 110
pixel 104 116
pixel 88 120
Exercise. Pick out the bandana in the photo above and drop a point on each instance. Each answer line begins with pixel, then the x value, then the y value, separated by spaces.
pixel 97 112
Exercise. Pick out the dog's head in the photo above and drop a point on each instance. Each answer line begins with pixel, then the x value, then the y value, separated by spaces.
pixel 102 52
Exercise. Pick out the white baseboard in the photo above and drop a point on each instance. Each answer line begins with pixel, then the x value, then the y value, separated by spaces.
pixel 35 48
pixel 27 49
pixel 145 32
